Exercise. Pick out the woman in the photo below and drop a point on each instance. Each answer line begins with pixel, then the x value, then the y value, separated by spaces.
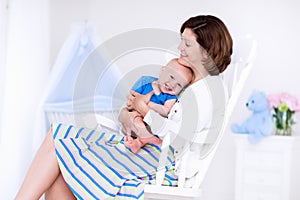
pixel 69 167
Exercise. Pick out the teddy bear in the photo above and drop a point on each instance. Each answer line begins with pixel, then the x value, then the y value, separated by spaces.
pixel 259 124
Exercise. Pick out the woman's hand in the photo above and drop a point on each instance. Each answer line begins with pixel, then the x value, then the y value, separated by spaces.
pixel 139 102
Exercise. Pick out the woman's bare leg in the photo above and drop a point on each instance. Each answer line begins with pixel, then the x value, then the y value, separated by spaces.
pixel 42 173
pixel 59 190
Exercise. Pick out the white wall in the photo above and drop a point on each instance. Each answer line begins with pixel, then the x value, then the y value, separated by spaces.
pixel 3 39
pixel 24 69
pixel 272 22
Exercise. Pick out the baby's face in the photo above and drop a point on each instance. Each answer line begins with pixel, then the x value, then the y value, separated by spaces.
pixel 174 77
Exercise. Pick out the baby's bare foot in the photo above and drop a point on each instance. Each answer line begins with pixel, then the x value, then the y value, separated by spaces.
pixel 135 145
pixel 127 141
pixel 152 139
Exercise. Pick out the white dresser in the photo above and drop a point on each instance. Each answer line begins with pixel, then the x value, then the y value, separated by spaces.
pixel 267 170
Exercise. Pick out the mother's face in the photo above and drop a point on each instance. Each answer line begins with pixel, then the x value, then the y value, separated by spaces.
pixel 189 48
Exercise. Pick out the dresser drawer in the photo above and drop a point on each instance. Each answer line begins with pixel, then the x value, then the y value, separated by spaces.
pixel 267 170
pixel 261 196
pixel 262 178
pixel 263 160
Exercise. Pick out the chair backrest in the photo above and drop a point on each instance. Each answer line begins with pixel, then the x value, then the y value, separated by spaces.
pixel 244 51
pixel 234 79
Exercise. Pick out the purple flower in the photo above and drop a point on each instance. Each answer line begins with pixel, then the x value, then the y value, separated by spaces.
pixel 273 100
pixel 291 102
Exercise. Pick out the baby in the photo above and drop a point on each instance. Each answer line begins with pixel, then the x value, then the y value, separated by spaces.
pixel 173 78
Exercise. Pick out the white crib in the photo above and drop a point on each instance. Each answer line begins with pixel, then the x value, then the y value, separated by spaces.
pixel 234 77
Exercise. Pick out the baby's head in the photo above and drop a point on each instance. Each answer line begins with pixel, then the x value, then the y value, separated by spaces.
pixel 174 77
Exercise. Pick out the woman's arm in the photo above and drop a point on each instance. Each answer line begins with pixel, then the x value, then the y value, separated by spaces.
pixel 159 124
pixel 162 109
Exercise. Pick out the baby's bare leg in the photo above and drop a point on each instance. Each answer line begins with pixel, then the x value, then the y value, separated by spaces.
pixel 142 130
pixel 151 139
pixel 144 133
pixel 144 136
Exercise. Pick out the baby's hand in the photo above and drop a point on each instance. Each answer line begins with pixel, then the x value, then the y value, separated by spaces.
pixel 139 102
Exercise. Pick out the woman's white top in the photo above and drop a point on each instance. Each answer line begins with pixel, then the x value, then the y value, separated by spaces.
pixel 197 117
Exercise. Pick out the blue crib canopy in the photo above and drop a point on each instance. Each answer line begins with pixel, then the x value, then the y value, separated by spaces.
pixel 77 73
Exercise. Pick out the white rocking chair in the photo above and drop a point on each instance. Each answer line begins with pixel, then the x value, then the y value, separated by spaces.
pixel 234 78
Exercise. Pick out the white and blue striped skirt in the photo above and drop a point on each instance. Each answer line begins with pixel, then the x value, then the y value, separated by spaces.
pixel 97 165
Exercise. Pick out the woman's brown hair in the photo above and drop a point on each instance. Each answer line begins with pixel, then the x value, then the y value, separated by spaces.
pixel 214 37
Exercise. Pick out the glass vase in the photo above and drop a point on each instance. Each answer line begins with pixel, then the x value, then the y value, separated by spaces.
pixel 283 123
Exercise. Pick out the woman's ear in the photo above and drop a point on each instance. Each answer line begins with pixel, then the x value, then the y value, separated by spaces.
pixel 207 60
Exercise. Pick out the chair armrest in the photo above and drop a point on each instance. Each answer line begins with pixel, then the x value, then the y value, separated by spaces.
pixel 183 166
pixel 107 123
pixel 163 159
